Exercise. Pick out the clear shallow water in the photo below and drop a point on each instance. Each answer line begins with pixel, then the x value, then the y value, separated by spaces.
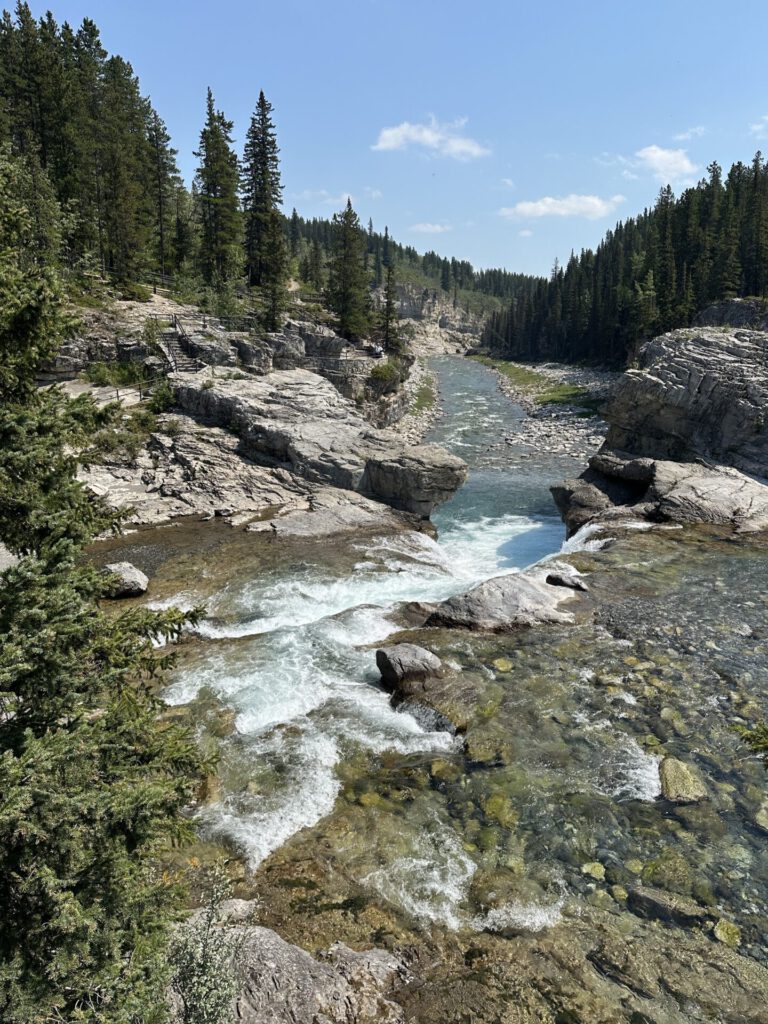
pixel 558 769
pixel 286 656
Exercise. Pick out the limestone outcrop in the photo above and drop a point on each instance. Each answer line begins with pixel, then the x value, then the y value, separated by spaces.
pixel 187 470
pixel 283 984
pixel 504 603
pixel 297 421
pixel 688 433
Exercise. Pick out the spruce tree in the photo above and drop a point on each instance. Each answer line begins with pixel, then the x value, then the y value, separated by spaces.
pixel 217 184
pixel 389 316
pixel 295 234
pixel 348 295
pixel 261 189
pixel 93 785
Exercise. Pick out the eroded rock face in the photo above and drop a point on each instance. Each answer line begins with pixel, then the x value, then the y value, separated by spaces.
pixel 698 393
pixel 503 603
pixel 282 984
pixel 297 420
pixel 128 580
pixel 688 435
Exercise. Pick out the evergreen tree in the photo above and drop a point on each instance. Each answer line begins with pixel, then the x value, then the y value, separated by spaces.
pixel 348 295
pixel 93 785
pixel 261 189
pixel 295 234
pixel 217 182
pixel 389 316
pixel 275 272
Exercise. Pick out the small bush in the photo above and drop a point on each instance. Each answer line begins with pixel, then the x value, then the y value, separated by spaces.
pixel 116 375
pixel 172 427
pixel 162 398
pixel 384 379
pixel 135 292
pixel 203 976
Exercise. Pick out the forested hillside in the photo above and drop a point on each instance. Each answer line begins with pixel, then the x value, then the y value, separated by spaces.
pixel 651 274
pixel 102 178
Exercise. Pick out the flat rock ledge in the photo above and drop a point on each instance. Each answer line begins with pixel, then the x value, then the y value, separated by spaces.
pixel 505 603
pixel 298 421
pixel 688 435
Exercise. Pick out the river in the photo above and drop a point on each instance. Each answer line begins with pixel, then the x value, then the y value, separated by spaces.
pixel 552 792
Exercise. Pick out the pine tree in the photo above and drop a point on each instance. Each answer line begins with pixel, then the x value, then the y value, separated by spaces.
pixel 348 279
pixel 94 786
pixel 389 317
pixel 275 272
pixel 165 182
pixel 295 234
pixel 217 183
pixel 261 189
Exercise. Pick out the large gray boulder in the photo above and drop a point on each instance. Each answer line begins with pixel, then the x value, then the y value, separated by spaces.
pixel 405 668
pixel 502 604
pixel 125 580
pixel 297 420
pixel 283 984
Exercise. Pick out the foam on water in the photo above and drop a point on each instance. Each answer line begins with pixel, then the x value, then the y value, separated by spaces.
pixel 431 883
pixel 519 916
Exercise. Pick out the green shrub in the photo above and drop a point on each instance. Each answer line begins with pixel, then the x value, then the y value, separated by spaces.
pixel 162 398
pixel 135 292
pixel 203 977
pixel 384 378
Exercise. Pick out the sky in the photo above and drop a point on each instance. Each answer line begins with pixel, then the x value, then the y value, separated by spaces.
pixel 501 132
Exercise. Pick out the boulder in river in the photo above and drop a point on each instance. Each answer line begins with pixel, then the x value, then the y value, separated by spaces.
pixel 666 906
pixel 503 603
pixel 405 668
pixel 125 580
pixel 679 783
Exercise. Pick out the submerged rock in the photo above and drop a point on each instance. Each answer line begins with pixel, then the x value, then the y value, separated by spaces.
pixel 666 906
pixel 405 668
pixel 503 603
pixel 679 783
pixel 125 580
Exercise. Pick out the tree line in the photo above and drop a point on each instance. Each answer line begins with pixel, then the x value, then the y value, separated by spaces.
pixel 652 273
pixel 94 145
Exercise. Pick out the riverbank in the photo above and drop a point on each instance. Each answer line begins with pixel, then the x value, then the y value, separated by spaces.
pixel 562 402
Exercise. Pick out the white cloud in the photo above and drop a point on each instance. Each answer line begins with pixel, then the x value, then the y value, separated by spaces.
pixel 427 228
pixel 508 182
pixel 629 175
pixel 440 139
pixel 667 165
pixel 591 207
pixel 322 195
pixel 525 233
pixel 373 193
pixel 760 128
pixel 690 133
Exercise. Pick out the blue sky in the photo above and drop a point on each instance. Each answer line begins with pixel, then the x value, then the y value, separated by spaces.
pixel 500 132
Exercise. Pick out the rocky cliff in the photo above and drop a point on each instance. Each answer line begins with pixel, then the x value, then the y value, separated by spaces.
pixel 297 421
pixel 688 436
